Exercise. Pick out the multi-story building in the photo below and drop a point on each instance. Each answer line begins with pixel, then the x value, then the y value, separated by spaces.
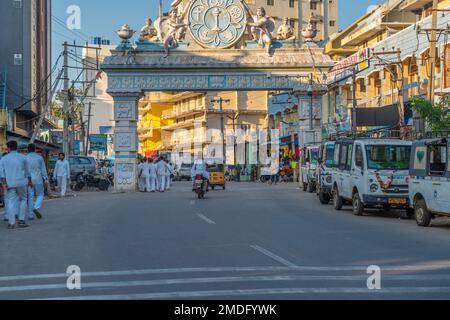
pixel 322 13
pixel 25 65
pixel 180 121
pixel 387 50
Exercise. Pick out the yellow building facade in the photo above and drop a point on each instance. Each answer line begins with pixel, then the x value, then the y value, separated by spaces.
pixel 388 50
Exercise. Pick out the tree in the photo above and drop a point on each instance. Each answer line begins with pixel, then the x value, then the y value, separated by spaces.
pixel 437 118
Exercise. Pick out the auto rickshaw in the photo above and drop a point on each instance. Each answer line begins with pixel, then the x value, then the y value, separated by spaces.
pixel 217 176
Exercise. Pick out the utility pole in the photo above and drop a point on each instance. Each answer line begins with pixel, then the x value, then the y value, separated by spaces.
pixel 354 102
pixel 401 91
pixel 432 53
pixel 66 100
pixel 88 127
pixel 311 102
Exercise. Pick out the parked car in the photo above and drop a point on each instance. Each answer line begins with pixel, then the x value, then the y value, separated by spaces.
pixel 184 173
pixel 324 172
pixel 80 165
pixel 372 173
pixel 429 192
pixel 309 157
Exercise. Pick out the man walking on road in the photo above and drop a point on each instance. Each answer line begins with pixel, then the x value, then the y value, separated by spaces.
pixel 145 176
pixel 161 168
pixel 170 170
pixel 15 177
pixel 39 178
pixel 62 173
pixel 152 174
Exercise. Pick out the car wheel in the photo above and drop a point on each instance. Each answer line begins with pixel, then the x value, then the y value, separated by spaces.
pixel 338 202
pixel 324 197
pixel 423 216
pixel 358 206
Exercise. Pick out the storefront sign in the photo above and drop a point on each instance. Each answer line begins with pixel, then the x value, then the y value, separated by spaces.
pixel 344 69
pixel 98 142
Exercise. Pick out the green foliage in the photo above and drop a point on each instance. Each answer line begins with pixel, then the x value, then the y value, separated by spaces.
pixel 57 109
pixel 437 118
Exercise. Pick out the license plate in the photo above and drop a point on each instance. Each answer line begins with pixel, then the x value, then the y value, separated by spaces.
pixel 397 201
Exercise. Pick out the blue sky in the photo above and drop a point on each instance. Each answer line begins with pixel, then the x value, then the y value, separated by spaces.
pixel 103 17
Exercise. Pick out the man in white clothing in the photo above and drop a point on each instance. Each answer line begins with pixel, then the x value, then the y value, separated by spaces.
pixel 169 172
pixel 62 173
pixel 161 168
pixel 145 176
pixel 39 177
pixel 152 174
pixel 15 177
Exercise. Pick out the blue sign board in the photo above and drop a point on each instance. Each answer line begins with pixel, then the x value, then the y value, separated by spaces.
pixel 98 142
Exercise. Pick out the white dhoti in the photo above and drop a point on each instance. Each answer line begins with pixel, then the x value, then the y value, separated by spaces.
pixel 153 184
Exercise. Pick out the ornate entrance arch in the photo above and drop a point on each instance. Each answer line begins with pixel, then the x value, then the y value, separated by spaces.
pixel 134 70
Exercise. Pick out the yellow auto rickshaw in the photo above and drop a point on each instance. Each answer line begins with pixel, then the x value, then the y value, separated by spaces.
pixel 216 176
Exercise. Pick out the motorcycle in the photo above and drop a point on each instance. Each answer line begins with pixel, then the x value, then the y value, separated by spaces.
pixel 90 181
pixel 200 186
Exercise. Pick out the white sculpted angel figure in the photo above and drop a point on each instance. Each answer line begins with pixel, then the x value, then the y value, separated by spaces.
pixel 172 29
pixel 261 28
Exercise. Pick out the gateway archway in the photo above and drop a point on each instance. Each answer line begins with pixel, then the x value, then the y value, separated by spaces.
pixel 189 66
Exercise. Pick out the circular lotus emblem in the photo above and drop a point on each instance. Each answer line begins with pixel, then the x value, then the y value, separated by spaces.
pixel 217 23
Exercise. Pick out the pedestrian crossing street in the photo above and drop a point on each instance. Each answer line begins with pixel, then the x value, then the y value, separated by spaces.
pixel 264 282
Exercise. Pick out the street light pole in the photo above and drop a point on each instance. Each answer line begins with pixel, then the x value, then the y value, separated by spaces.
pixel 311 107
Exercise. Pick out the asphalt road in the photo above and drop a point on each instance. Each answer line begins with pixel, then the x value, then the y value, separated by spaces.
pixel 252 241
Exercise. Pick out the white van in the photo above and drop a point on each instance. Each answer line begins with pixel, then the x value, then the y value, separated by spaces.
pixel 324 172
pixel 372 173
pixel 429 190
pixel 309 157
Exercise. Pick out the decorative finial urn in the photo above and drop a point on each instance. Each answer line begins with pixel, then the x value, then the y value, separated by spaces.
pixel 125 33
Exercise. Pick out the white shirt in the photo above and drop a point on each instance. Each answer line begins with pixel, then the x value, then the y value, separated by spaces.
pixel 144 170
pixel 152 170
pixel 161 168
pixel 14 169
pixel 36 167
pixel 62 169
pixel 199 167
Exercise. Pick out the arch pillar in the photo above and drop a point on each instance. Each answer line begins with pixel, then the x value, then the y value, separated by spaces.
pixel 126 143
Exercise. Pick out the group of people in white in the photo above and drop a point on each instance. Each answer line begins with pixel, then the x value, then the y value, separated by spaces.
pixel 24 180
pixel 155 175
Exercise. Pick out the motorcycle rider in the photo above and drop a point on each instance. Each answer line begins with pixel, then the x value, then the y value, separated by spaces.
pixel 199 168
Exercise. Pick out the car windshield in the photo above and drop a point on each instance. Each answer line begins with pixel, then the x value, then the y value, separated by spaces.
pixel 314 155
pixel 384 157
pixel 329 156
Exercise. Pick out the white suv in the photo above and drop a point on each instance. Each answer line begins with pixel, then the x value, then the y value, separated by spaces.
pixel 372 173
pixel 309 158
pixel 324 172
pixel 429 190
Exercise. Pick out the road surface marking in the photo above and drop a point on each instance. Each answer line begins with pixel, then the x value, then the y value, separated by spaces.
pixel 217 269
pixel 181 281
pixel 206 219
pixel 274 256
pixel 256 292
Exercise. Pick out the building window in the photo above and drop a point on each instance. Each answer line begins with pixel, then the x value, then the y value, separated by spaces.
pixel 313 6
pixel 291 3
pixel 270 2
pixel 332 23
